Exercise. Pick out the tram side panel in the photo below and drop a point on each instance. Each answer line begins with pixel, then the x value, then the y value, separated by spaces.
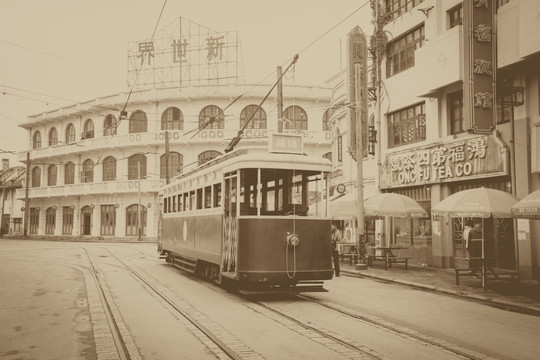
pixel 264 255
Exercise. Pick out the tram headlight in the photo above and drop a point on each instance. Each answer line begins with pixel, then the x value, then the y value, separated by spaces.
pixel 293 239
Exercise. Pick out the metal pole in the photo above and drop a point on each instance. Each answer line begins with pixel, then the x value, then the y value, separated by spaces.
pixel 279 99
pixel 26 199
pixel 139 228
pixel 359 158
pixel 167 174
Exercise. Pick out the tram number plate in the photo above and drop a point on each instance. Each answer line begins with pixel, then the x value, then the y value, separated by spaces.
pixel 285 143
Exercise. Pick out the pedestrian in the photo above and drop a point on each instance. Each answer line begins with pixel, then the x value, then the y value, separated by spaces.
pixel 336 238
pixel 475 247
pixel 466 232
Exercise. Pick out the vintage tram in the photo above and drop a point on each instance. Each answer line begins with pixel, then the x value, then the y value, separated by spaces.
pixel 250 218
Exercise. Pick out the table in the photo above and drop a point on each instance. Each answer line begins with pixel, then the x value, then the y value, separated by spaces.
pixel 388 256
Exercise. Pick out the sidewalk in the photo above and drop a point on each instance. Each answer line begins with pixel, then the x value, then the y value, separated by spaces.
pixel 521 295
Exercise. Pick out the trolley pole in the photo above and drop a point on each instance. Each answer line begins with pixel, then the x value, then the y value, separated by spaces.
pixel 279 99
pixel 139 227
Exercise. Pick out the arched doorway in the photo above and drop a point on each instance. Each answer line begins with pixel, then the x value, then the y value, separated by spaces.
pixel 86 220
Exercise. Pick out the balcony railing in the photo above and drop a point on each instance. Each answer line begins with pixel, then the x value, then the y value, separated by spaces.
pixel 157 138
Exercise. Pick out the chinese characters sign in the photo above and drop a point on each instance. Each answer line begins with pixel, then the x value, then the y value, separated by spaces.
pixel 481 156
pixel 479 44
pixel 182 54
pixel 291 144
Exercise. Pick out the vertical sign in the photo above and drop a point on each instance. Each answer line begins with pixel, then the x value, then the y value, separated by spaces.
pixel 479 97
pixel 357 60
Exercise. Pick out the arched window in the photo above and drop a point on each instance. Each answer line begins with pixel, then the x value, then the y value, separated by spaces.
pixel 297 116
pixel 51 175
pixel 207 156
pixel 109 168
pixel 325 120
pixel 172 119
pixel 70 134
pixel 88 132
pixel 69 173
pixel 50 220
pixel 36 141
pixel 87 175
pixel 176 161
pixel 36 177
pixel 138 122
pixel 53 137
pixel 133 166
pixel 109 125
pixel 132 220
pixel 211 117
pixel 257 122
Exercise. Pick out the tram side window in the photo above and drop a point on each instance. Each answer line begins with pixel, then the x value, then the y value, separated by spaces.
pixel 192 200
pixel 199 199
pixel 186 202
pixel 217 195
pixel 179 202
pixel 165 205
pixel 173 198
pixel 230 193
pixel 248 192
pixel 207 197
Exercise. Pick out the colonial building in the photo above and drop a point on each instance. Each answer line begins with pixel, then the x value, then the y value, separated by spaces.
pixel 454 100
pixel 90 167
pixel 11 179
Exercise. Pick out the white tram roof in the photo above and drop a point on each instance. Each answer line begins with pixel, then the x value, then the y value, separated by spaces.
pixel 256 157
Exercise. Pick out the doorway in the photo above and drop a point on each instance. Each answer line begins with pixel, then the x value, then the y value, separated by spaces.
pixel 86 220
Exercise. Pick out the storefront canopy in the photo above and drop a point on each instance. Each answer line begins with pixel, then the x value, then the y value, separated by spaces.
pixel 378 206
pixel 479 202
pixel 528 207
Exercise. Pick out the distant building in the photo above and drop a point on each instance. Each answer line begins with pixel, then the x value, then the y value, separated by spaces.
pixel 11 179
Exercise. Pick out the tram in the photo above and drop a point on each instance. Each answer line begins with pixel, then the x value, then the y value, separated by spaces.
pixel 251 218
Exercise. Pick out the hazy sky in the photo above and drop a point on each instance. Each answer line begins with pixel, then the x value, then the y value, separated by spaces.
pixel 58 52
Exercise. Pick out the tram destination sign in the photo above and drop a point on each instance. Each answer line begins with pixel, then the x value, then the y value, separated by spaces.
pixel 286 143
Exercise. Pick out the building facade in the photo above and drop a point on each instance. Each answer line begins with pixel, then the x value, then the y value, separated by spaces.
pixel 455 104
pixel 11 179
pixel 90 167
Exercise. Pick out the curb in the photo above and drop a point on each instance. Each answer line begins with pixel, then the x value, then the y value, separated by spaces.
pixel 462 294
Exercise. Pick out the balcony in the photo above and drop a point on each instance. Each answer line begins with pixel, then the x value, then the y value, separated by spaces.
pixel 439 61
pixel 158 138
pixel 109 187
pixel 517 23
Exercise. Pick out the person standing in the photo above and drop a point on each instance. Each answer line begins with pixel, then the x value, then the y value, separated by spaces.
pixel 475 247
pixel 336 238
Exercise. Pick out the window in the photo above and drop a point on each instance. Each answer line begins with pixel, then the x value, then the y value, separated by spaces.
pixel 34 220
pixel 400 52
pixel 36 177
pixel 175 165
pixel 53 137
pixel 416 232
pixel 17 225
pixel 505 109
pixel 70 134
pixel 109 168
pixel 138 122
pixel 258 121
pixel 136 162
pixel 67 220
pixel 88 132
pixel 407 126
pixel 87 175
pixel 109 125
pixel 36 143
pixel 69 173
pixel 325 120
pixel 132 222
pixel 399 7
pixel 207 156
pixel 211 117
pixel 297 116
pixel 217 195
pixel 51 175
pixel 172 119
pixel 108 219
pixel 50 221
pixel 455 107
pixel 455 16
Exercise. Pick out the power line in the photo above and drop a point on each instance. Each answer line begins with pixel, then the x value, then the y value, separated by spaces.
pixel 37 93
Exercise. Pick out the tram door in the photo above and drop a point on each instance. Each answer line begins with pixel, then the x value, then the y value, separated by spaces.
pixel 229 238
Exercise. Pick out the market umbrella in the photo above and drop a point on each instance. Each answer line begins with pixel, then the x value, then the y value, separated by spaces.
pixel 528 207
pixel 395 205
pixel 477 203
pixel 343 209
pixel 480 202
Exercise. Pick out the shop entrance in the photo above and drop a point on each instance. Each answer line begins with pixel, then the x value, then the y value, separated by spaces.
pixel 86 220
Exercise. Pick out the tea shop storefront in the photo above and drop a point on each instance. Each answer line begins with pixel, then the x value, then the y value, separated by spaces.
pixel 432 172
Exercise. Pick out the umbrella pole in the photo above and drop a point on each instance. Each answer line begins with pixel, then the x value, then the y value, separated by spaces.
pixel 483 257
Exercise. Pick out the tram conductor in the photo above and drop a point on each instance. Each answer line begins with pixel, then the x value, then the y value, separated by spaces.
pixel 336 238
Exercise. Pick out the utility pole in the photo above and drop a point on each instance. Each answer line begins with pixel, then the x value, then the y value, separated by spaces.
pixel 359 157
pixel 26 199
pixel 139 227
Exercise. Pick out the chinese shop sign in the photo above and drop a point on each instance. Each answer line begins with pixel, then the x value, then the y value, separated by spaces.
pixel 480 156
pixel 479 64
pixel 184 53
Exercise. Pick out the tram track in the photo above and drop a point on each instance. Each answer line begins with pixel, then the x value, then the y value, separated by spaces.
pixel 217 339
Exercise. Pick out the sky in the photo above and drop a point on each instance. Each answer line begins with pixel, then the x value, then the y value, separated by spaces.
pixel 59 52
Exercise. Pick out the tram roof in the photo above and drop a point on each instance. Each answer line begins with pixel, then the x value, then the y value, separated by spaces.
pixel 258 157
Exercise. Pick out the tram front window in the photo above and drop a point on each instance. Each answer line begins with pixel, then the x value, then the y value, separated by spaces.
pixel 281 192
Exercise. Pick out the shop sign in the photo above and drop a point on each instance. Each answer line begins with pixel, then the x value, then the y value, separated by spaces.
pixel 479 96
pixel 475 157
